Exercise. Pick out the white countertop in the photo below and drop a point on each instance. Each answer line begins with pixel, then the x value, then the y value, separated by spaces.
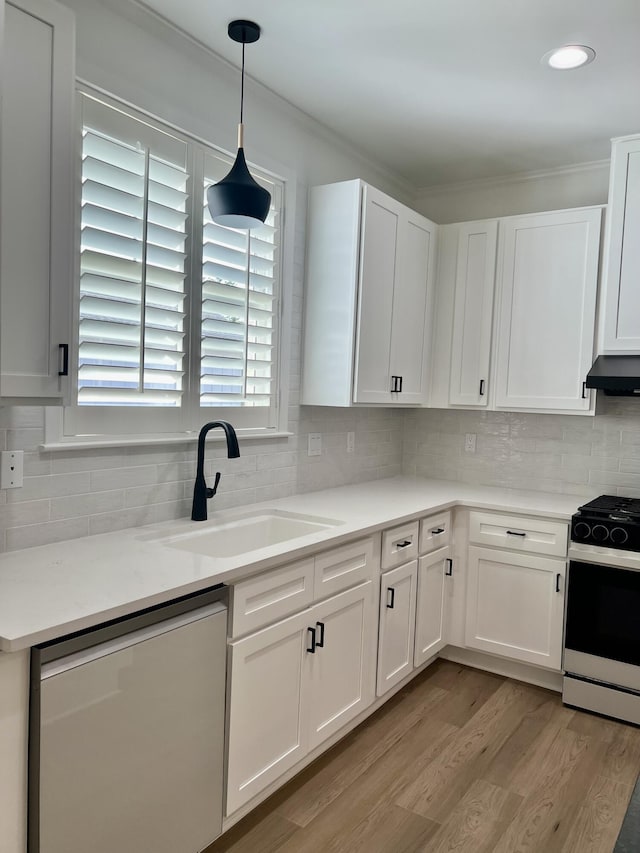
pixel 53 590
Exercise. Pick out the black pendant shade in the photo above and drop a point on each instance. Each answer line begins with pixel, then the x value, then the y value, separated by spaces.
pixel 238 201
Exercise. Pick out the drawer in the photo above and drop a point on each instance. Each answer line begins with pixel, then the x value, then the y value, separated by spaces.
pixel 400 544
pixel 517 533
pixel 435 532
pixel 346 566
pixel 271 596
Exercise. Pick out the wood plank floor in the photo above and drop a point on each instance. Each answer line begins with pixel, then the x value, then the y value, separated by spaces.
pixel 460 760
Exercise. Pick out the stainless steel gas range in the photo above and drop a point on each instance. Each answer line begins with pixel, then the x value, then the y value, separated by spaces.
pixel 602 620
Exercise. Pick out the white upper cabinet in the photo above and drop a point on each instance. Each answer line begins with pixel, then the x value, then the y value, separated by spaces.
pixel 473 313
pixel 620 329
pixel 36 197
pixel 367 301
pixel 547 283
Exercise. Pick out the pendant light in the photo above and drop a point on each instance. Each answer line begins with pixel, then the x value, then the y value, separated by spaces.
pixel 238 201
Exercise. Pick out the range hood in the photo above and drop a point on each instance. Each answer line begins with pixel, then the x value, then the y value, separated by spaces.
pixel 616 375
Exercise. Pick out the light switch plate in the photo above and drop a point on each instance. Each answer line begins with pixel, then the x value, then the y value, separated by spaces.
pixel 11 469
pixel 351 442
pixel 314 447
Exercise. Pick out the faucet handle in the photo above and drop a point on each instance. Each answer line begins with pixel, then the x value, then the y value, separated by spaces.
pixel 211 492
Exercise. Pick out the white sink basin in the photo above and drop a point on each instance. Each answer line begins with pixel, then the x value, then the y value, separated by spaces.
pixel 248 533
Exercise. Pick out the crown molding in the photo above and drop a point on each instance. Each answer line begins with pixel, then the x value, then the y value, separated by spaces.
pixel 515 178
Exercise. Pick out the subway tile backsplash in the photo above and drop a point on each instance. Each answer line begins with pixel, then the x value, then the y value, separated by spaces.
pixel 68 494
pixel 77 493
pixel 582 456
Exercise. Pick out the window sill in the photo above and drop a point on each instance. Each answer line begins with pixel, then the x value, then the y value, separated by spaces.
pixel 98 442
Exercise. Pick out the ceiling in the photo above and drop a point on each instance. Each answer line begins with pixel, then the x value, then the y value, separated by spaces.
pixel 442 91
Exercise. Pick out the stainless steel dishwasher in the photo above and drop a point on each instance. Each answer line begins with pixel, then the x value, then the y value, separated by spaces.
pixel 127 733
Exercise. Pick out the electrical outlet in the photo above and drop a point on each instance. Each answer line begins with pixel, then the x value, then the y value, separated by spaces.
pixel 470 442
pixel 314 447
pixel 351 442
pixel 11 469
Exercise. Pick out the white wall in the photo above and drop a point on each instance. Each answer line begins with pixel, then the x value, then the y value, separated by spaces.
pixel 531 192
pixel 130 53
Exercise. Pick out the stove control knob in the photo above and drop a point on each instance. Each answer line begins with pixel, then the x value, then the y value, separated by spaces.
pixel 581 530
pixel 600 533
pixel 619 536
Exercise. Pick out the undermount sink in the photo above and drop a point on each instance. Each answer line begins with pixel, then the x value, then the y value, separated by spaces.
pixel 249 533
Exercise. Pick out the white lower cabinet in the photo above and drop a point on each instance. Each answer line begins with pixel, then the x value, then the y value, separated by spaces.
pixel 430 600
pixel 397 625
pixel 515 605
pixel 293 685
pixel 341 672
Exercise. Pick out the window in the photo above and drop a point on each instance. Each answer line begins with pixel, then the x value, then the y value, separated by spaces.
pixel 177 319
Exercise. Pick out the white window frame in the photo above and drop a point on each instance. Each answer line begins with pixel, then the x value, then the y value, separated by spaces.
pixel 147 426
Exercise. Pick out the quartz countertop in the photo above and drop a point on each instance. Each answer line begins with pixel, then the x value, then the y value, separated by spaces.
pixel 53 590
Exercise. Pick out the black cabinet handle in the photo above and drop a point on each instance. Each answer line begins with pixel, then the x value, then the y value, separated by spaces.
pixel 482 387
pixel 584 390
pixel 391 603
pixel 449 569
pixel 400 388
pixel 437 531
pixel 312 650
pixel 320 643
pixel 64 348
pixel 396 384
pixel 515 533
pixel 404 544
pixel 558 576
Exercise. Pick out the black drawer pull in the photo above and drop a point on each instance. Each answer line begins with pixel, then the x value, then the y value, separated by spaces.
pixel 312 650
pixel 320 643
pixel 437 531
pixel 584 391
pixel 515 533
pixel 390 604
pixel 482 387
pixel 558 576
pixel 449 569
pixel 64 348
pixel 404 544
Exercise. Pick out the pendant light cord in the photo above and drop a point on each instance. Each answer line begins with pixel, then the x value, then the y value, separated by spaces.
pixel 242 85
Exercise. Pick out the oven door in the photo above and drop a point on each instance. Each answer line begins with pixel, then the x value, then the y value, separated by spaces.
pixel 602 628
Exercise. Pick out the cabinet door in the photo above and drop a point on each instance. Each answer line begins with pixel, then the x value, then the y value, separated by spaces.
pixel 622 259
pixel 430 605
pixel 473 313
pixel 36 180
pixel 266 731
pixel 412 298
pixel 548 280
pixel 380 223
pixel 397 625
pixel 340 674
pixel 515 605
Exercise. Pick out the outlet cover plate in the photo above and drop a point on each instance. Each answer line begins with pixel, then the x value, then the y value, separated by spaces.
pixel 11 469
pixel 314 447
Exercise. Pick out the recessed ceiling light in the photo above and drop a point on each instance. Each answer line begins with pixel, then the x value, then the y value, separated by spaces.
pixel 569 56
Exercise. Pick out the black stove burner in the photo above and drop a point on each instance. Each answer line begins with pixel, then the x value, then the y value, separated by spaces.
pixel 607 505
pixel 610 521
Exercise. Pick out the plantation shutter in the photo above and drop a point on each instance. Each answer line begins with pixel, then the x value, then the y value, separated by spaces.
pixel 240 278
pixel 133 267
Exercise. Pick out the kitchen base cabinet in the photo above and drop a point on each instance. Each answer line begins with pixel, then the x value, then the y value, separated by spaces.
pixel 266 731
pixel 430 601
pixel 293 685
pixel 397 625
pixel 515 605
pixel 342 670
